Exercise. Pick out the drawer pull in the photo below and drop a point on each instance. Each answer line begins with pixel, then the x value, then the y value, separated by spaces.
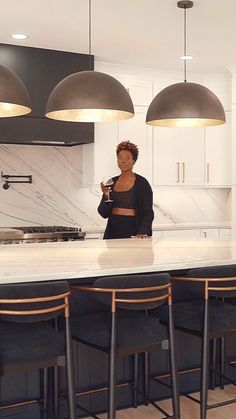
pixel 183 172
pixel 178 177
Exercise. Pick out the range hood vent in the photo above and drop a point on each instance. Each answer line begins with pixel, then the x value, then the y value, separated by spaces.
pixel 41 70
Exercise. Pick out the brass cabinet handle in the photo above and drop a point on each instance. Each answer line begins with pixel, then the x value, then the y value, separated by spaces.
pixel 183 172
pixel 178 166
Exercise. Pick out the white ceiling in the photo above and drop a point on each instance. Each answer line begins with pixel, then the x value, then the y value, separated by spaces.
pixel 145 33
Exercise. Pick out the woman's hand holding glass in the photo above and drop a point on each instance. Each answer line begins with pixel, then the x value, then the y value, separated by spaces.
pixel 106 185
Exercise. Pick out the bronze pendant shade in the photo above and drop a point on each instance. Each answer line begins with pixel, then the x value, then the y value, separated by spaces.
pixel 89 96
pixel 185 105
pixel 14 98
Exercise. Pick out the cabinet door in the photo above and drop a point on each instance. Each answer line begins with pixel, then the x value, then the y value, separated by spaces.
pixel 225 234
pixel 157 234
pixel 195 233
pixel 140 90
pixel 192 145
pixel 178 157
pixel 139 133
pixel 105 162
pixel 210 233
pixel 218 151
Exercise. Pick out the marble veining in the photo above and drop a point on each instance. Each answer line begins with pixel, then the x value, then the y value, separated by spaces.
pixel 165 214
pixel 57 195
pixel 92 258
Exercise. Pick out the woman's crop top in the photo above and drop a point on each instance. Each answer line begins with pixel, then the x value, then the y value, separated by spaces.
pixel 123 199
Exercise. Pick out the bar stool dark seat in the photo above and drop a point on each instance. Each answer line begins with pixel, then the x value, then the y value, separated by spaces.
pixel 127 328
pixel 210 318
pixel 28 341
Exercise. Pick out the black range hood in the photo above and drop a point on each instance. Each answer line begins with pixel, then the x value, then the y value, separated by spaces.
pixel 41 70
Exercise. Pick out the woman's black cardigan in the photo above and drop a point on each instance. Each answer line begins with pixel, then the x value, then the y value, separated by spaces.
pixel 143 202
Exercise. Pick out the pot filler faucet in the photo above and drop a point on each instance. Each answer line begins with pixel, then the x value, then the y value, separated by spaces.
pixel 14 179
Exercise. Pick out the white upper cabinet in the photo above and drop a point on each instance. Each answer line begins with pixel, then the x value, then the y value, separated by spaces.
pixel 139 133
pixel 178 156
pixel 140 90
pixel 108 135
pixel 167 156
pixel 106 138
pixel 218 152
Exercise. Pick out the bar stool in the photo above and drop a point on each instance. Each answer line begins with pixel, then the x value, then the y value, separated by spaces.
pixel 127 328
pixel 210 318
pixel 28 341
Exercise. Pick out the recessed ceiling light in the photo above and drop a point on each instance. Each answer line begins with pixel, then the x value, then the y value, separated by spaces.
pixel 19 36
pixel 186 57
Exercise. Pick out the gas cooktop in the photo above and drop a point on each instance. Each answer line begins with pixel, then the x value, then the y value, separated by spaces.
pixel 34 234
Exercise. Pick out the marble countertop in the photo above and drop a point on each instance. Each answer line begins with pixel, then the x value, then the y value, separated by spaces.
pixel 169 226
pixel 92 258
pixel 187 226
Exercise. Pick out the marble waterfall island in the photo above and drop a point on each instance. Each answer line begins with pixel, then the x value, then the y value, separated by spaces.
pixel 93 258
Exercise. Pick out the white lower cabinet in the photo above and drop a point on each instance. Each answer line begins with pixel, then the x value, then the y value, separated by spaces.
pixel 94 235
pixel 157 234
pixel 207 233
pixel 225 234
pixel 195 233
pixel 210 233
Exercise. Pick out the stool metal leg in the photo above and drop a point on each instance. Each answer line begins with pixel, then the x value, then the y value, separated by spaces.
pixel 172 355
pixel 222 362
pixel 146 377
pixel 135 381
pixel 112 370
pixel 70 373
pixel 213 373
pixel 56 384
pixel 44 391
pixel 205 364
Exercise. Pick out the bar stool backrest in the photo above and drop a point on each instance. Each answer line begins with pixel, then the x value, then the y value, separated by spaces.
pixel 32 302
pixel 134 292
pixel 218 272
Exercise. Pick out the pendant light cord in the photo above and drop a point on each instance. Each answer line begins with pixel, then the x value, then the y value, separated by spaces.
pixel 90 34
pixel 185 45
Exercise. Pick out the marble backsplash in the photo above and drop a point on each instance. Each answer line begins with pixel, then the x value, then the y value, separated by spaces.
pixel 57 195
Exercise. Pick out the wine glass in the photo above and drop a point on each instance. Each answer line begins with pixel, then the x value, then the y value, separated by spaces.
pixel 107 183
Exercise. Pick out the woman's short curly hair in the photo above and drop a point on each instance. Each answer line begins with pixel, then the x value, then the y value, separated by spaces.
pixel 127 145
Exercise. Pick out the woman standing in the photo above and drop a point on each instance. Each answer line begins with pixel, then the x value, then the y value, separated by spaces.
pixel 130 213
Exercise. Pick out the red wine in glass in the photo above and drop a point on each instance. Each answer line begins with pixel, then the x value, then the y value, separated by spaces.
pixel 107 183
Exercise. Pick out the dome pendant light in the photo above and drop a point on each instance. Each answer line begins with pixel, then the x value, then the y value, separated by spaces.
pixel 89 96
pixel 185 104
pixel 14 98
